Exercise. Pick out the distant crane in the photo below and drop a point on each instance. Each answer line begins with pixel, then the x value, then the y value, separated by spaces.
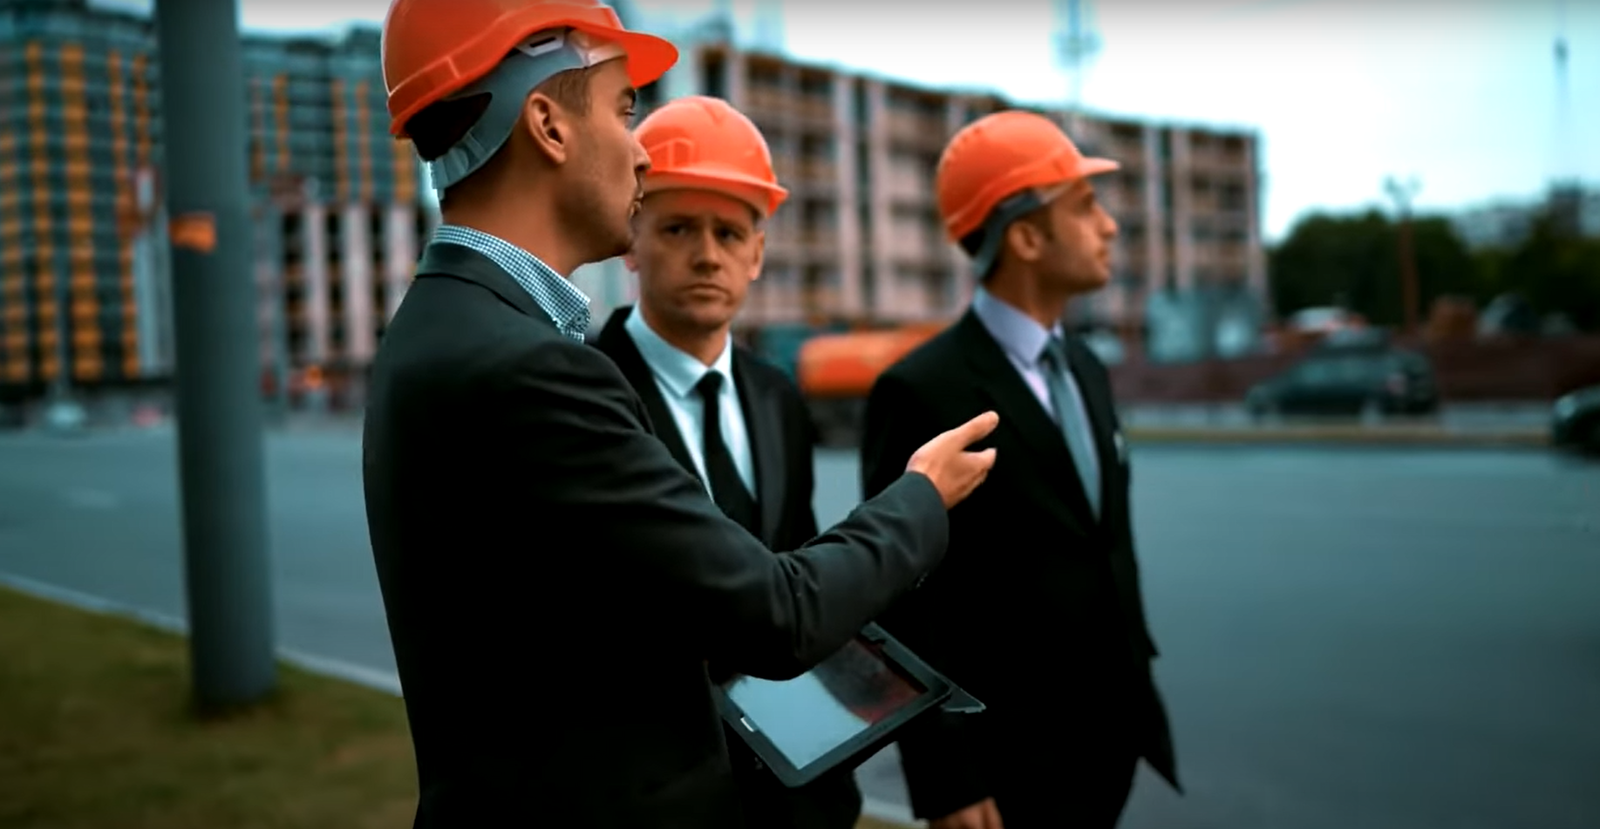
pixel 1077 44
pixel 768 20
pixel 1564 167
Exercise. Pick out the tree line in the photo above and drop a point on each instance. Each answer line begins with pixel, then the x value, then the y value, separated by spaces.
pixel 1353 261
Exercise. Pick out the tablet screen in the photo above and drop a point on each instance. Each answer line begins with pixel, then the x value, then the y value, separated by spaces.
pixel 810 715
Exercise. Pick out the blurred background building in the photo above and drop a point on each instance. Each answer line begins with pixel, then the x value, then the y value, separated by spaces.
pixel 339 204
pixel 343 209
pixel 860 242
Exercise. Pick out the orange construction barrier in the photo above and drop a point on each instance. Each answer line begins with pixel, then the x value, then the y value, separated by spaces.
pixel 846 365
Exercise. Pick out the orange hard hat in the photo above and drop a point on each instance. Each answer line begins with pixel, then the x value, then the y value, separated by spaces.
pixel 702 143
pixel 434 48
pixel 997 158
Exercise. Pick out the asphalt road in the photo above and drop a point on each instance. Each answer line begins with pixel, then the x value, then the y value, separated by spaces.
pixel 1378 638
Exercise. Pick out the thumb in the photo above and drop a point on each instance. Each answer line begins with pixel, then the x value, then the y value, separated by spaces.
pixel 976 429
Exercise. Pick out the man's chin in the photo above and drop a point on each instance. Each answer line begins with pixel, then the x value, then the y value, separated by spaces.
pixel 621 247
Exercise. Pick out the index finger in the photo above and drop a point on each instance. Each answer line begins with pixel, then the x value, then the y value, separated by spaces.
pixel 992 815
pixel 975 429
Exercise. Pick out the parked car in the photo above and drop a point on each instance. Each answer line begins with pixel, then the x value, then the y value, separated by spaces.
pixel 1350 381
pixel 1575 421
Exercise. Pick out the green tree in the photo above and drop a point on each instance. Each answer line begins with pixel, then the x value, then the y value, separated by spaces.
pixel 1354 261
pixel 1555 269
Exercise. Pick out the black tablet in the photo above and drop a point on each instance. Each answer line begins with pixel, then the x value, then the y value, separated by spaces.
pixel 839 713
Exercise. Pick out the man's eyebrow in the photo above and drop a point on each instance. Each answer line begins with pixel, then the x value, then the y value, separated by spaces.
pixel 629 96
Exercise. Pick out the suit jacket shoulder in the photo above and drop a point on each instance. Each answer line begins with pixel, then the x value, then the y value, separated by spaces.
pixel 770 378
pixel 931 362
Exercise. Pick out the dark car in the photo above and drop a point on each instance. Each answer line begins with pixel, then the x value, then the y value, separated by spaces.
pixel 1350 381
pixel 1575 421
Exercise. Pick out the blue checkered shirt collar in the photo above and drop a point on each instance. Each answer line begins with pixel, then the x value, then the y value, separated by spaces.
pixel 567 306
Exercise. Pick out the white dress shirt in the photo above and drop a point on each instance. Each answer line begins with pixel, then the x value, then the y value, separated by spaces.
pixel 676 374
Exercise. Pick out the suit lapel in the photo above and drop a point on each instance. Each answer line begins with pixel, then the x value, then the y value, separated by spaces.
pixel 763 422
pixel 618 344
pixel 1021 412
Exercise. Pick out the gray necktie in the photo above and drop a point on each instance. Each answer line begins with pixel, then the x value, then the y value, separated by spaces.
pixel 1072 418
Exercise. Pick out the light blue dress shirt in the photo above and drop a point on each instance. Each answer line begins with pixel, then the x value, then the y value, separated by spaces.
pixel 676 374
pixel 1023 339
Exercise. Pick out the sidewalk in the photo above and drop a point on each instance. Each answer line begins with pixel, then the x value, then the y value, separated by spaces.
pixel 1479 424
pixel 1469 424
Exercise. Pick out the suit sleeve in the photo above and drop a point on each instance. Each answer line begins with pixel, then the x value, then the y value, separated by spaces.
pixel 672 554
pixel 941 756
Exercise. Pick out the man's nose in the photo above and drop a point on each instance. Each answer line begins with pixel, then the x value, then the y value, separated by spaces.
pixel 706 250
pixel 641 159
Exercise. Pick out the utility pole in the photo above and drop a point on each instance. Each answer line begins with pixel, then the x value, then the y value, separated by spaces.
pixel 1076 45
pixel 218 368
pixel 1403 193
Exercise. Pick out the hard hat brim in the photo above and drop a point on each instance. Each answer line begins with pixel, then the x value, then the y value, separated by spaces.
pixel 649 57
pixel 765 197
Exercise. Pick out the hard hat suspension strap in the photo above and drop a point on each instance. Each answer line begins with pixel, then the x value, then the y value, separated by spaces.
pixel 542 57
pixel 984 243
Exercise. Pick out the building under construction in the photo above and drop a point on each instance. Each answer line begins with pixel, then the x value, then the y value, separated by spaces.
pixel 342 213
pixel 860 242
pixel 82 249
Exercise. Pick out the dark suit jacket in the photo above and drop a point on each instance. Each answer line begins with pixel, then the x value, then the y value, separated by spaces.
pixel 554 580
pixel 782 439
pixel 1033 580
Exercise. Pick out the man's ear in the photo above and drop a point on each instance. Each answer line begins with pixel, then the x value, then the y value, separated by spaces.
pixel 631 263
pixel 1025 241
pixel 760 242
pixel 548 127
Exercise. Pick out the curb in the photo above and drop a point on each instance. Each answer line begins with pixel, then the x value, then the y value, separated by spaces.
pixel 333 668
pixel 875 814
pixel 1351 435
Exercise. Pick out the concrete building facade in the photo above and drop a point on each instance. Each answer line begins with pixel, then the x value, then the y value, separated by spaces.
pixel 82 229
pixel 342 212
pixel 860 241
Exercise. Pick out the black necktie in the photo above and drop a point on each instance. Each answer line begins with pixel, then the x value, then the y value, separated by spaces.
pixel 726 488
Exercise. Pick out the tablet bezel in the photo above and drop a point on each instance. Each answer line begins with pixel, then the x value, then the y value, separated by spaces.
pixel 864 744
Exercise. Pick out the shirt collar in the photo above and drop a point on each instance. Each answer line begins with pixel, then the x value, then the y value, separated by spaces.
pixel 567 306
pixel 1018 334
pixel 678 371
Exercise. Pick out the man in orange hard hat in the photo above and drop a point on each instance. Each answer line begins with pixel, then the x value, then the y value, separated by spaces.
pixel 734 420
pixel 1037 609
pixel 554 581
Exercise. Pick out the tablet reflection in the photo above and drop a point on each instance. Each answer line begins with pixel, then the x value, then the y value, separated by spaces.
pixel 810 715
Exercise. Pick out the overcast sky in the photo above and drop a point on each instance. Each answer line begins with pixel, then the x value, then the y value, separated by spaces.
pixel 1461 94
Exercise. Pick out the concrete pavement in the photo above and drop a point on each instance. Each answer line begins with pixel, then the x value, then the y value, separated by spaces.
pixel 1351 637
